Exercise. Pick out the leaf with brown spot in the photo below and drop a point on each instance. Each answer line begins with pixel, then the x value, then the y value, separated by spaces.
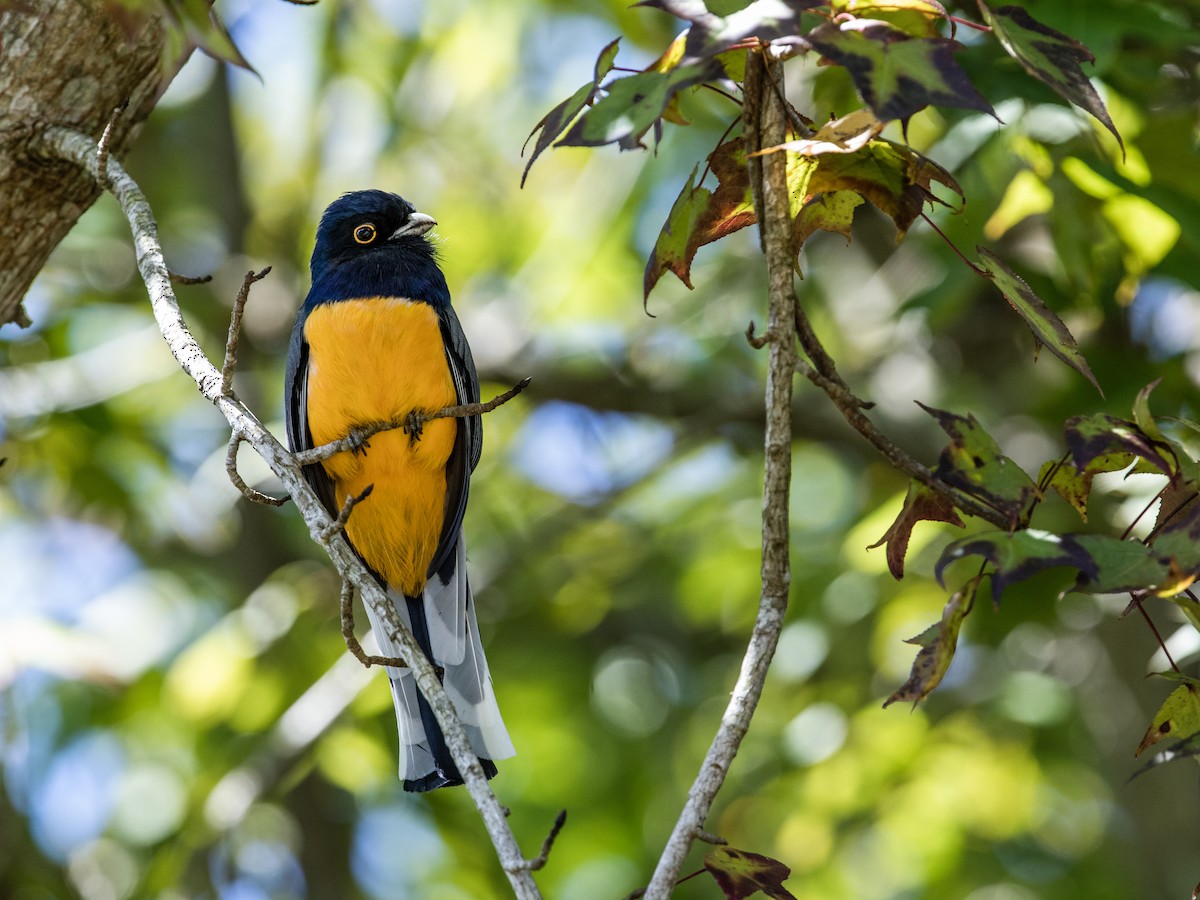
pixel 674 250
pixel 1177 719
pixel 1047 327
pixel 740 874
pixel 555 121
pixel 896 74
pixel 938 643
pixel 920 505
pixel 973 463
pixel 1050 56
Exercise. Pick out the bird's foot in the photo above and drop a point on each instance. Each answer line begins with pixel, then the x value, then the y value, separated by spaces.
pixel 359 441
pixel 414 425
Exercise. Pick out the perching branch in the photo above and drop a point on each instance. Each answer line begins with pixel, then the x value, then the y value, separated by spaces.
pixel 764 127
pixel 410 425
pixel 65 144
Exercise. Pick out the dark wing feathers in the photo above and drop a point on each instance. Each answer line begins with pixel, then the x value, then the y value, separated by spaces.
pixel 296 417
pixel 468 445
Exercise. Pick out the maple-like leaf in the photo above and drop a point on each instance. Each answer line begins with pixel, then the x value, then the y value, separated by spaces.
pixel 920 504
pixel 920 18
pixel 1102 435
pixel 676 246
pixel 938 643
pixel 1048 329
pixel 632 105
pixel 740 874
pixel 895 73
pixel 1049 56
pixel 973 463
pixel 555 121
pixel 1018 555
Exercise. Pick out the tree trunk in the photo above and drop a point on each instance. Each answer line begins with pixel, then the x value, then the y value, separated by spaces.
pixel 67 63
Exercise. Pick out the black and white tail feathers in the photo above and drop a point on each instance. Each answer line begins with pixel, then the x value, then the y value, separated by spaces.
pixel 443 622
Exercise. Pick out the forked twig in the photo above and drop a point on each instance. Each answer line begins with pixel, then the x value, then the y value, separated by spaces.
pixel 252 494
pixel 235 329
pixel 352 644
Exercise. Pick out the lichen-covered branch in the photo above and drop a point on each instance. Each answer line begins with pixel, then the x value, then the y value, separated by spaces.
pixel 65 144
pixel 765 127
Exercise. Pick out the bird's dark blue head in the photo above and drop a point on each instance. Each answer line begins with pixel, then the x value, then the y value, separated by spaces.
pixel 373 243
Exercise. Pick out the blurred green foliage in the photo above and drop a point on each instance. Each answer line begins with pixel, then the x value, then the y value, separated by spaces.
pixel 178 716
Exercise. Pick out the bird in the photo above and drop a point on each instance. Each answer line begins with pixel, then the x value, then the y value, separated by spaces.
pixel 377 340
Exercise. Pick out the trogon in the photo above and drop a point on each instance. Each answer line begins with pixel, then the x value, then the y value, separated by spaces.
pixel 376 340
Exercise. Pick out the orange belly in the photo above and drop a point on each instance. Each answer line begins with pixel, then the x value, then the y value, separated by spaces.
pixel 376 360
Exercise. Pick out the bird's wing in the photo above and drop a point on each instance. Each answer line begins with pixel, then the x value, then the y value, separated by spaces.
pixel 468 443
pixel 296 415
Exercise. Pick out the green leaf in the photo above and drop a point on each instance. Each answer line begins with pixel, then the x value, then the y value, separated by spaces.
pixel 1047 328
pixel 711 34
pixel 199 22
pixel 937 643
pixel 896 74
pixel 973 463
pixel 675 246
pixel 1092 437
pixel 832 211
pixel 632 105
pixel 920 504
pixel 1118 565
pixel 1049 56
pixel 1178 718
pixel 1018 555
pixel 561 116
pixel 740 873
pixel 920 18
pixel 893 177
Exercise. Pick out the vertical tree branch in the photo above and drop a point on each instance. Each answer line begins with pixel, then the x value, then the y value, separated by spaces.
pixel 764 126
pixel 62 143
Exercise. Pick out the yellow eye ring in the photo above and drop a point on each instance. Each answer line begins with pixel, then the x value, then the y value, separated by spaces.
pixel 364 234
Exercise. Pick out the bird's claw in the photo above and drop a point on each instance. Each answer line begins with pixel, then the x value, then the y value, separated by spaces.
pixel 414 425
pixel 359 442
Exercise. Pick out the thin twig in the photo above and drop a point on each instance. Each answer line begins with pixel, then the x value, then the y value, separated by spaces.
pixel 235 328
pixel 765 126
pixel 352 644
pixel 548 844
pixel 176 278
pixel 338 525
pixel 62 143
pixel 1137 601
pixel 105 139
pixel 851 408
pixel 359 436
pixel 252 494
pixel 952 245
pixel 755 341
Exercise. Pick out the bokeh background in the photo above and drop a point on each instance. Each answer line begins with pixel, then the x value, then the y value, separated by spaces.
pixel 178 716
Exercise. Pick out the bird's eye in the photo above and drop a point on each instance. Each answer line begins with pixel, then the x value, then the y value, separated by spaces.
pixel 364 234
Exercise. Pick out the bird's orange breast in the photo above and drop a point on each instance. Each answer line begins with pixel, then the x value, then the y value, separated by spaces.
pixel 374 360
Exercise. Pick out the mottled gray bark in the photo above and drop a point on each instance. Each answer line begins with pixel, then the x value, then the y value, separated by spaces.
pixel 66 63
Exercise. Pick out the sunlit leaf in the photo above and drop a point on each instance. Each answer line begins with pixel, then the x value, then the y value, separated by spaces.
pixel 1050 56
pixel 972 462
pixel 895 73
pixel 561 116
pixel 1018 555
pixel 1118 566
pixel 1048 329
pixel 1091 437
pixel 632 105
pixel 1178 718
pixel 845 135
pixel 920 504
pixel 833 211
pixel 740 874
pixel 675 247
pixel 937 643
pixel 893 177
